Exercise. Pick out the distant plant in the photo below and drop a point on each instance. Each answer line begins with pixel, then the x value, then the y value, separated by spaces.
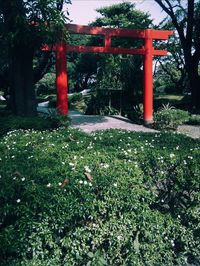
pixel 108 110
pixel 167 107
pixel 57 119
pixel 169 118
pixel 46 85
pixel 194 120
pixel 135 113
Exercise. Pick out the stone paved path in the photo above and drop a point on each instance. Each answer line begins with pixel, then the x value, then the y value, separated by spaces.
pixel 90 123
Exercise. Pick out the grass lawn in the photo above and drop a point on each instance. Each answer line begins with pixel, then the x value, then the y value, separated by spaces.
pixel 108 198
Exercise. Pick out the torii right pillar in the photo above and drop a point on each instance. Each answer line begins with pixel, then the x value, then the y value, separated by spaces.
pixel 148 78
pixel 149 52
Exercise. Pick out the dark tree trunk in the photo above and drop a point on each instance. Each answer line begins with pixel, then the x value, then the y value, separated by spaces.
pixel 194 80
pixel 22 93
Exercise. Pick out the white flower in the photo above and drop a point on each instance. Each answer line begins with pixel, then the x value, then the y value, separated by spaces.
pixel 60 184
pixel 119 237
pixel 71 164
pixel 115 184
pixel 18 200
pixel 23 179
pixel 104 165
pixel 85 182
pixel 87 169
pixel 172 155
pixel 81 182
pixel 49 185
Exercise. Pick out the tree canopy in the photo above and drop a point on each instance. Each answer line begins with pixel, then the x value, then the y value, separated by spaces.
pixel 185 17
pixel 115 72
pixel 24 27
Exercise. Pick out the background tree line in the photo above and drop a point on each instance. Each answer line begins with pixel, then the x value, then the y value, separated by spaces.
pixel 22 64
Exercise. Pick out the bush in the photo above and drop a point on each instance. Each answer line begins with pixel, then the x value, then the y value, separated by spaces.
pixel 46 85
pixel 109 198
pixel 135 113
pixel 45 122
pixel 75 97
pixel 169 118
pixel 194 120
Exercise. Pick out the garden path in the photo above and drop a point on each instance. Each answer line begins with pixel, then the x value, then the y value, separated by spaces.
pixel 90 123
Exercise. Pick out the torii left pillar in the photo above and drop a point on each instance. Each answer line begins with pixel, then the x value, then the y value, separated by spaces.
pixel 61 79
pixel 148 78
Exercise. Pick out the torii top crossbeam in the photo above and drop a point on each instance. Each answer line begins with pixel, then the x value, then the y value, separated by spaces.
pixel 147 50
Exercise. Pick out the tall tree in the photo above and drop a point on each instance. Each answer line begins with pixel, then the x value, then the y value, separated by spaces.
pixel 115 71
pixel 185 16
pixel 24 27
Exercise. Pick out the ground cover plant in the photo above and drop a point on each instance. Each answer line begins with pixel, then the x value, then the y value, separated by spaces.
pixel 47 121
pixel 109 198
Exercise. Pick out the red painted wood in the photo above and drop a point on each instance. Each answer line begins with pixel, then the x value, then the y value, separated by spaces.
pixel 139 34
pixel 80 29
pixel 61 79
pixel 148 78
pixel 147 51
pixel 107 40
pixel 100 49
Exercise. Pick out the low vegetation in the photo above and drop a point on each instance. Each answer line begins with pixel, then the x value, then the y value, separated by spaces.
pixel 109 198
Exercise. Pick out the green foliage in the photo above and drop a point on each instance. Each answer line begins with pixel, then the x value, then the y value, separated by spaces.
pixel 57 119
pixel 75 97
pixel 112 72
pixel 135 113
pixel 98 104
pixel 169 118
pixel 109 198
pixel 50 121
pixel 46 85
pixel 194 120
pixel 47 22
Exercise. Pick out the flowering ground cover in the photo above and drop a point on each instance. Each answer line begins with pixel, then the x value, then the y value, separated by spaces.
pixel 108 198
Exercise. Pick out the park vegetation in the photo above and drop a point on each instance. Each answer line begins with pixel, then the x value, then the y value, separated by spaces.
pixel 111 197
pixel 108 198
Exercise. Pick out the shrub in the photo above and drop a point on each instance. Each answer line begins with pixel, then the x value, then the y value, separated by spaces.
pixel 111 198
pixel 75 97
pixel 135 113
pixel 194 120
pixel 169 118
pixel 45 122
pixel 46 85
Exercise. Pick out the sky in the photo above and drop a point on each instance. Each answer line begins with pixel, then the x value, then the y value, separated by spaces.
pixel 83 11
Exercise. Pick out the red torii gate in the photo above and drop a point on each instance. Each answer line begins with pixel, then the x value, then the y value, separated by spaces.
pixel 147 50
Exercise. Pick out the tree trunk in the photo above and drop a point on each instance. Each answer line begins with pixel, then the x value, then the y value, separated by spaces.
pixel 22 93
pixel 194 81
pixel 191 64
